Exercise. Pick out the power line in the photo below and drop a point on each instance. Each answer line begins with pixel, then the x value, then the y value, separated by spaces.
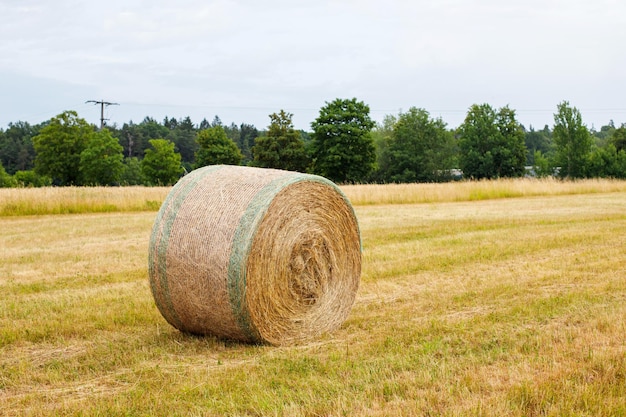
pixel 102 104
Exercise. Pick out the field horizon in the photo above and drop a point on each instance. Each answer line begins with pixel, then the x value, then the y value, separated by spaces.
pixel 77 200
pixel 477 298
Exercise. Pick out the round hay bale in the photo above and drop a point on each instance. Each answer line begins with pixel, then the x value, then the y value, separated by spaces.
pixel 253 254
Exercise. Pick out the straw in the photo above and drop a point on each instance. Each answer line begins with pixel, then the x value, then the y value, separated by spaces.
pixel 257 255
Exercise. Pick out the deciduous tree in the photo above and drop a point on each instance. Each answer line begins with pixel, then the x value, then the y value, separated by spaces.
pixel 511 155
pixel 16 147
pixel 573 142
pixel 491 143
pixel 216 148
pixel 162 164
pixel 342 146
pixel 538 140
pixel 6 180
pixel 382 135
pixel 618 138
pixel 101 162
pixel 421 149
pixel 132 173
pixel 58 147
pixel 605 162
pixel 30 178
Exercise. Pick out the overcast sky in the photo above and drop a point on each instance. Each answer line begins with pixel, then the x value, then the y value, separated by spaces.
pixel 244 59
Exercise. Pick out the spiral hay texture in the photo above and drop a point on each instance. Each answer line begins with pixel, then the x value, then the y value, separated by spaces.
pixel 253 254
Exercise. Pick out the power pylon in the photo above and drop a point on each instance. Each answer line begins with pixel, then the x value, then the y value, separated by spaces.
pixel 102 104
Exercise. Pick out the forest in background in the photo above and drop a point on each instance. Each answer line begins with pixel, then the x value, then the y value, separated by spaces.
pixel 344 145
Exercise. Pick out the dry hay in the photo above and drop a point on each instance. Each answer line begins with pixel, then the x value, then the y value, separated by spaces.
pixel 253 254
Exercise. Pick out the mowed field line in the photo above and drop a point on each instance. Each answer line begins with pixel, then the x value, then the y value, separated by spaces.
pixel 492 307
pixel 44 248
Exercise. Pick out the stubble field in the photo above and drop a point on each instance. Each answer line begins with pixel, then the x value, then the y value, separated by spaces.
pixel 499 298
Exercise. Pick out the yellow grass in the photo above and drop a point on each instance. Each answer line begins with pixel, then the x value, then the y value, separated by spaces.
pixel 475 190
pixel 75 200
pixel 491 307
pixel 67 200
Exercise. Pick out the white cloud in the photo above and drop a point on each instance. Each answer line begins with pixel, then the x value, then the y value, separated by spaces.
pixel 252 58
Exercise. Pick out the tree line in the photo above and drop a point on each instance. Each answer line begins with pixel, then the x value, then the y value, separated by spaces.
pixel 344 145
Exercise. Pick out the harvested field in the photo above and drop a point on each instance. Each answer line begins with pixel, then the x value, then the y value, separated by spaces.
pixel 510 306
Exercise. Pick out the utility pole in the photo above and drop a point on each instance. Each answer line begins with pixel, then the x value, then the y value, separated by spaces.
pixel 102 104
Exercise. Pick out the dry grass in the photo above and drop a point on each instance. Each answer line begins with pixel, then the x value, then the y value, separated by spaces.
pixel 76 200
pixel 508 307
pixel 475 190
pixel 71 200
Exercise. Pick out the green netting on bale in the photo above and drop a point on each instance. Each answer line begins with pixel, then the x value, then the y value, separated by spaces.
pixel 253 254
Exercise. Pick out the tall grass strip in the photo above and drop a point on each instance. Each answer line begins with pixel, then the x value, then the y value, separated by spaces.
pixel 78 200
pixel 416 193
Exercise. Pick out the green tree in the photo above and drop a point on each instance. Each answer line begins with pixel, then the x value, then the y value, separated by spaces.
pixel 161 164
pixel 618 138
pixel 382 136
pixel 247 135
pixel 135 137
pixel 604 162
pixel 511 155
pixel 204 124
pixel 541 165
pixel 342 147
pixel 538 140
pixel 58 147
pixel 30 178
pixel 101 162
pixel 16 147
pixel 132 174
pixel 151 129
pixel 183 134
pixel 233 133
pixel 620 164
pixel 6 180
pixel 573 142
pixel 281 147
pixel 216 148
pixel 491 143
pixel 129 136
pixel 421 148
pixel 599 137
pixel 216 121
